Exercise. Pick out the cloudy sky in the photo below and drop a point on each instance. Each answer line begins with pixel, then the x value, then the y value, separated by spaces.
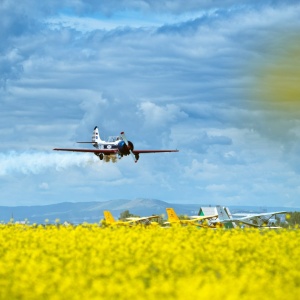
pixel 218 80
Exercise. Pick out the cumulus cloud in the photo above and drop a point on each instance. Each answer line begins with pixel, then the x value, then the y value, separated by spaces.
pixel 201 170
pixel 157 115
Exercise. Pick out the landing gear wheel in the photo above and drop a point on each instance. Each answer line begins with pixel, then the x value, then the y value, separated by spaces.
pixel 137 156
pixel 101 156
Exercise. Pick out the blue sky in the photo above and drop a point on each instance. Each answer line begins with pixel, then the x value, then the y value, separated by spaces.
pixel 213 79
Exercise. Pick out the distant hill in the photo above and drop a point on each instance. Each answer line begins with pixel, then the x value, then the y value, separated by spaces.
pixel 92 212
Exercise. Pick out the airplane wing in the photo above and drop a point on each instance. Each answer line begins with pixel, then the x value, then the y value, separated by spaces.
pixel 137 219
pixel 252 224
pixel 259 219
pixel 240 221
pixel 197 218
pixel 112 151
pixel 251 215
pixel 104 151
pixel 263 216
pixel 267 214
pixel 152 151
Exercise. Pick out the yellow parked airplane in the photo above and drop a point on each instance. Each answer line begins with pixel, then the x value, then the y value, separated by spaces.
pixel 132 221
pixel 197 221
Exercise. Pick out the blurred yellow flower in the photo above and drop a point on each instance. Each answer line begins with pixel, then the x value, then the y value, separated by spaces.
pixel 90 262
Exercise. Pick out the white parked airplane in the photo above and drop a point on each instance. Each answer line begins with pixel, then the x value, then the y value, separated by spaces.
pixel 253 220
pixel 118 146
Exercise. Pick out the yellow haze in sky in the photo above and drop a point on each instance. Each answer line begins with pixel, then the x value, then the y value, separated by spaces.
pixel 278 83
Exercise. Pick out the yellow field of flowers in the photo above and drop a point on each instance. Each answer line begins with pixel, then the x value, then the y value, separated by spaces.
pixel 90 262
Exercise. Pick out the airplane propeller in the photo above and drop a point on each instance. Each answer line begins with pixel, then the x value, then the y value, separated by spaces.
pixel 128 146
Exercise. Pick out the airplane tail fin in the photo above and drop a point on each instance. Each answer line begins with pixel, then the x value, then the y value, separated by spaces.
pixel 224 214
pixel 109 219
pixel 96 136
pixel 172 216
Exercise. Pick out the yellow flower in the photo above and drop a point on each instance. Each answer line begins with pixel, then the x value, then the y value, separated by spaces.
pixel 92 262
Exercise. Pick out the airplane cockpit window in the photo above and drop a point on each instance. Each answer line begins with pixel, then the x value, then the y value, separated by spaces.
pixel 112 139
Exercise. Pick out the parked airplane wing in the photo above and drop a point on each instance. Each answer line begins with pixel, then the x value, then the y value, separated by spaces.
pixel 137 219
pixel 197 218
pixel 264 214
pixel 260 217
pixel 255 220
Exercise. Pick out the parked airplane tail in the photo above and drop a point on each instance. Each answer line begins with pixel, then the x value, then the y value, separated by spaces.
pixel 109 219
pixel 172 216
pixel 224 214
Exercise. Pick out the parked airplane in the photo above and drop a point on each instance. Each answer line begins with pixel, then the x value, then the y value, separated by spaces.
pixel 209 210
pixel 252 220
pixel 132 221
pixel 174 219
pixel 118 146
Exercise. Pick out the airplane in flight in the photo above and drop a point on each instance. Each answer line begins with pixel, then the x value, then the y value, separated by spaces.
pixel 261 220
pixel 132 221
pixel 115 146
pixel 197 221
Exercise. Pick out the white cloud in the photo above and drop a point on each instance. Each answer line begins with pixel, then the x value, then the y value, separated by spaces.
pixel 160 116
pixel 44 186
pixel 201 170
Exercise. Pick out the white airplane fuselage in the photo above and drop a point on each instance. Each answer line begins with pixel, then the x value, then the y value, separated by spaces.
pixel 113 142
pixel 107 144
